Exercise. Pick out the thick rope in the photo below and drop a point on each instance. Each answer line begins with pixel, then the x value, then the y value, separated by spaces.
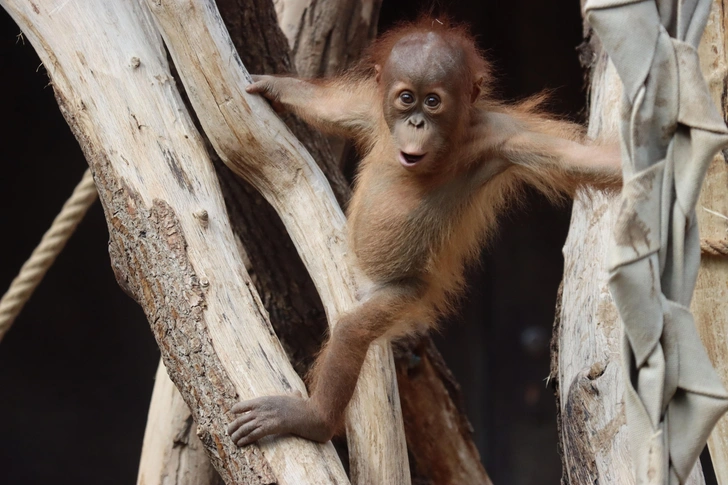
pixel 51 245
pixel 714 247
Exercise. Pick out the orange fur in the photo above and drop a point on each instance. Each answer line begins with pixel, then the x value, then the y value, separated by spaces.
pixel 429 190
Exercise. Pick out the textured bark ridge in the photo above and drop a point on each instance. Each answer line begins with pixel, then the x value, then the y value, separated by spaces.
pixel 149 257
pixel 171 244
pixel 155 247
pixel 172 452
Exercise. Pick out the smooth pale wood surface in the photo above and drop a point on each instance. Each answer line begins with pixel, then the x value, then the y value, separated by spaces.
pixel 255 144
pixel 170 241
pixel 593 432
pixel 710 301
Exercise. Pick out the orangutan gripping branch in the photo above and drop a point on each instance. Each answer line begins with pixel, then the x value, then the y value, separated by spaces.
pixel 442 161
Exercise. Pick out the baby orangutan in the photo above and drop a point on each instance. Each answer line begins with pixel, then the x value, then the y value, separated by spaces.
pixel 442 160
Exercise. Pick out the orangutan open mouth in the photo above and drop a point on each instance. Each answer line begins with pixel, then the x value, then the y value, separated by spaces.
pixel 408 159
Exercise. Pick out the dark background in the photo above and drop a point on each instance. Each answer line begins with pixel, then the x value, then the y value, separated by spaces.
pixel 77 368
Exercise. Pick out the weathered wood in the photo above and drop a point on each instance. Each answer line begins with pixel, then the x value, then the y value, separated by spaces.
pixel 585 367
pixel 184 461
pixel 436 452
pixel 710 301
pixel 255 144
pixel 275 268
pixel 254 31
pixel 588 371
pixel 327 36
pixel 588 367
pixel 293 307
pixel 281 278
pixel 171 244
pixel 295 312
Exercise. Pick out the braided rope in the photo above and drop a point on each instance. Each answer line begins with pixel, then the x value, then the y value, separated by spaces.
pixel 43 256
pixel 714 247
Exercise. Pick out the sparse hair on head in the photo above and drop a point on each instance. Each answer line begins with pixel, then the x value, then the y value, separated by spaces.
pixel 477 68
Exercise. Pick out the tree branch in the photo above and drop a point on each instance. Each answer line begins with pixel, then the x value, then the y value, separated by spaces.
pixel 255 144
pixel 171 244
pixel 327 36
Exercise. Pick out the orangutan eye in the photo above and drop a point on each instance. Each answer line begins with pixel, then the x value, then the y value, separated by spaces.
pixel 432 101
pixel 406 97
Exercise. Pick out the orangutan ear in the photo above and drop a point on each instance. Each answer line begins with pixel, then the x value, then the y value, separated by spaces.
pixel 378 69
pixel 477 89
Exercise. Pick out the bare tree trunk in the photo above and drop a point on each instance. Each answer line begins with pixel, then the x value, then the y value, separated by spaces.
pixel 281 278
pixel 171 244
pixel 290 181
pixel 586 363
pixel 710 301
pixel 170 421
pixel 326 37
pixel 286 289
pixel 446 449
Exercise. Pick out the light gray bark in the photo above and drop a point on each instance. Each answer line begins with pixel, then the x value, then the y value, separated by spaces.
pixel 587 362
pixel 171 244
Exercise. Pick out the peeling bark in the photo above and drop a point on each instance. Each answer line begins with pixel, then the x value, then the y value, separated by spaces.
pixel 171 244
pixel 173 454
